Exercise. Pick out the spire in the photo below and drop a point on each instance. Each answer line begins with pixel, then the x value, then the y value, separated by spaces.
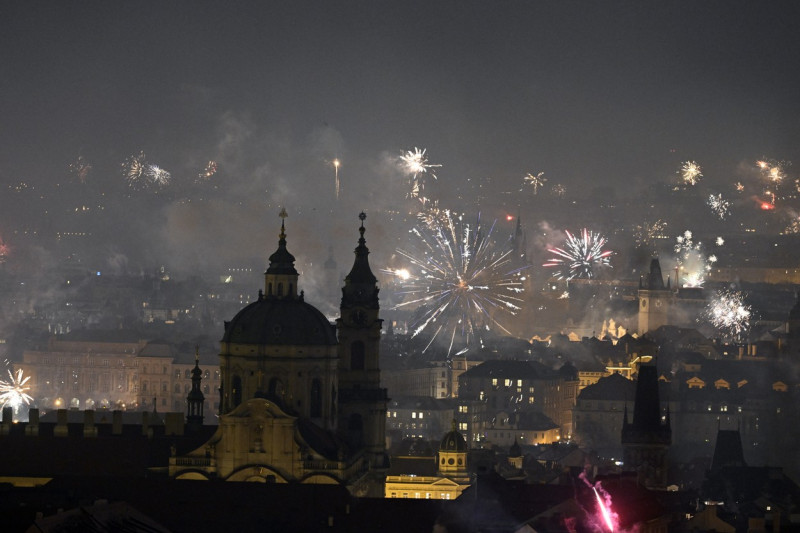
pixel 282 262
pixel 360 285
pixel 280 279
pixel 195 400
pixel 655 280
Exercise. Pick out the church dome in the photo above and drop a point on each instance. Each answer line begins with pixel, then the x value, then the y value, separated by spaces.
pixel 453 442
pixel 275 321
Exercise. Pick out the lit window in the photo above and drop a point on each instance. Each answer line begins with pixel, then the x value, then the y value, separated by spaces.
pixel 420 415
pixel 414 414
pixel 494 382
pixel 519 383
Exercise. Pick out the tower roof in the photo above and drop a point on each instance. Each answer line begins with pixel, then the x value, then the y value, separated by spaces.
pixel 655 280
pixel 282 262
pixel 361 273
pixel 453 441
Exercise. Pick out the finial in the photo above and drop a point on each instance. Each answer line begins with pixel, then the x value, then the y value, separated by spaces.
pixel 361 230
pixel 283 214
pixel 196 354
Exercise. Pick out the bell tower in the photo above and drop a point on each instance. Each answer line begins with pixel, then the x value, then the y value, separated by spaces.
pixel 655 300
pixel 362 401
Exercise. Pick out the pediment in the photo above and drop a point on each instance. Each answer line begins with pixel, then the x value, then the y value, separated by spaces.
pixel 258 408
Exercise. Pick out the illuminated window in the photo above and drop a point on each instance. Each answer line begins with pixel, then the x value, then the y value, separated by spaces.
pixel 420 415
pixel 414 414
pixel 507 382
pixel 519 383
pixel 494 382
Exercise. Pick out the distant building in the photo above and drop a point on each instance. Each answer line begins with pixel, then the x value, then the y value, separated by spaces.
pixel 113 369
pixel 421 474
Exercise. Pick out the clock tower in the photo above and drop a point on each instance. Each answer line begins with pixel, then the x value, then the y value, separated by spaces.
pixel 362 401
pixel 655 300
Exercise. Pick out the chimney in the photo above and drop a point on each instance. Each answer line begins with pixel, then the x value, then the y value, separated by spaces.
pixel 61 429
pixel 116 422
pixel 8 419
pixel 89 429
pixel 32 428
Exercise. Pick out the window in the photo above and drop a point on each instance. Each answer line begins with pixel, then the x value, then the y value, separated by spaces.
pixel 413 414
pixel 420 415
pixel 462 426
pixel 105 362
pixel 463 409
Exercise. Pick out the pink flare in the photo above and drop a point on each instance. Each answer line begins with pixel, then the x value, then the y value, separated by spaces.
pixel 604 510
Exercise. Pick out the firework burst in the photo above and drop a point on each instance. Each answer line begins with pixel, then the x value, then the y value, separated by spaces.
pixel 80 169
pixel 580 257
pixel 13 393
pixel 647 233
pixel 728 313
pixel 535 181
pixel 558 190
pixel 415 164
pixel 691 173
pixel 459 281
pixel 718 205
pixel 133 169
pixel 208 171
pixel 692 262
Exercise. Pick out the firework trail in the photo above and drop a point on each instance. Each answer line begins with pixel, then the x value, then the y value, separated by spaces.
pixel 458 280
pixel 535 181
pixel 729 314
pixel 13 393
pixel 604 518
pixel 718 205
pixel 580 256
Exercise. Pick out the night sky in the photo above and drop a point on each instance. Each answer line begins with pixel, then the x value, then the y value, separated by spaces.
pixel 600 96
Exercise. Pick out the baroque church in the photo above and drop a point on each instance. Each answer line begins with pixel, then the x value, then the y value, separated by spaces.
pixel 300 398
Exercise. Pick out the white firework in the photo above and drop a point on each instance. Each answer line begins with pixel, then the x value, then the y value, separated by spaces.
pixel 728 313
pixel 718 205
pixel 13 393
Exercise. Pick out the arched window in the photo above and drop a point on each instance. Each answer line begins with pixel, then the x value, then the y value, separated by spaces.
pixel 357 355
pixel 316 399
pixel 269 289
pixel 177 387
pixel 280 289
pixel 236 393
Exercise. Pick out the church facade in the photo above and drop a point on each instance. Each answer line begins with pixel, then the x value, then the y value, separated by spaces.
pixel 300 398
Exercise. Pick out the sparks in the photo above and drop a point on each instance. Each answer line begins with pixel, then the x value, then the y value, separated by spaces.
pixel 13 393
pixel 535 181
pixel 580 256
pixel 415 163
pixel 728 313
pixel 718 205
pixel 691 172
pixel 458 280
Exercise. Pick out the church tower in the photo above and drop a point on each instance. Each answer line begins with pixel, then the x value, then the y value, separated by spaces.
pixel 646 440
pixel 195 400
pixel 281 348
pixel 362 401
pixel 655 300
